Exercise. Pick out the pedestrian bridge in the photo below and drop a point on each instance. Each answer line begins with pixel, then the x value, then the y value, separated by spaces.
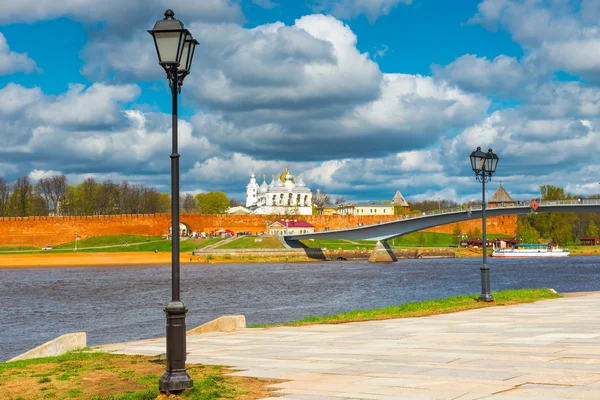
pixel 412 223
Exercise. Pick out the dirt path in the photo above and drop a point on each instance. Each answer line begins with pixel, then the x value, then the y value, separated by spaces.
pixel 90 259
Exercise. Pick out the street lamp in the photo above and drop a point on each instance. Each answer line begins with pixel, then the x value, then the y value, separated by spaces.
pixel 175 48
pixel 484 165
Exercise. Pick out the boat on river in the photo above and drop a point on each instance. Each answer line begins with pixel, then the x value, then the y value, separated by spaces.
pixel 531 250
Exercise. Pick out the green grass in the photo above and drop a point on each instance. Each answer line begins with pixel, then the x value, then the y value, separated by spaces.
pixel 161 245
pixel 103 376
pixel 334 244
pixel 429 307
pixel 17 248
pixel 250 242
pixel 430 239
pixel 106 240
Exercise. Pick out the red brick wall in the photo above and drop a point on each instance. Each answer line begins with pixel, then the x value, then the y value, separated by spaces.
pixel 42 231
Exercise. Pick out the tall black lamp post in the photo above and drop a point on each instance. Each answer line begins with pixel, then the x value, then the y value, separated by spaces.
pixel 484 165
pixel 175 47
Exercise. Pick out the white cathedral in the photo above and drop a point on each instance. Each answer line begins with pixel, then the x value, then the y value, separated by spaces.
pixel 284 195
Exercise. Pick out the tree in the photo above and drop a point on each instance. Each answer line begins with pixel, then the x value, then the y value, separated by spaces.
pixel 4 195
pixel 340 200
pixel 592 230
pixel 234 203
pixel 320 199
pixel 211 203
pixel 21 198
pixel 477 233
pixel 87 196
pixel 187 203
pixel 558 227
pixel 164 203
pixel 526 233
pixel 456 234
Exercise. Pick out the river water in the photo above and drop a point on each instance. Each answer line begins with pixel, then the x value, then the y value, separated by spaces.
pixel 114 304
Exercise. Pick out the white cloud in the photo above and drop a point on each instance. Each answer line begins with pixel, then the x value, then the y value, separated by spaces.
pixel 372 9
pixel 503 74
pixel 124 15
pixel 313 64
pixel 11 62
pixel 97 105
pixel 556 33
pixel 38 174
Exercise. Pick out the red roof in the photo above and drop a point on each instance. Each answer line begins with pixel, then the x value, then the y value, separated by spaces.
pixel 295 224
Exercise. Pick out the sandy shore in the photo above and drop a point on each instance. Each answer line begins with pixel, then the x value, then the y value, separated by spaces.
pixel 89 259
pixel 124 259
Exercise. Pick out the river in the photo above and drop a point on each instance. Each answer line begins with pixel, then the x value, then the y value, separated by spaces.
pixel 114 304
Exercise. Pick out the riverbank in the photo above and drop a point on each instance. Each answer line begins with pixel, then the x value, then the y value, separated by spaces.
pixel 426 308
pixel 88 259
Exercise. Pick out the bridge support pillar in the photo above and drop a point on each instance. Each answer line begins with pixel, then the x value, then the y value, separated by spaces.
pixel 382 254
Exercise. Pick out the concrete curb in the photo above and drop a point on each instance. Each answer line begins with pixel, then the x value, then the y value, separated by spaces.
pixel 227 323
pixel 56 347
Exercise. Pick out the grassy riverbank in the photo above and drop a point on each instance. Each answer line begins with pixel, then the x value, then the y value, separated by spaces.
pixel 102 376
pixel 428 307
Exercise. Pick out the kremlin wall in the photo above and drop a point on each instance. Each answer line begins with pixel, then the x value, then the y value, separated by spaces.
pixel 50 231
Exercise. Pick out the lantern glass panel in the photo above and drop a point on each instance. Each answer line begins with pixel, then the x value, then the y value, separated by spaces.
pixel 183 65
pixel 168 45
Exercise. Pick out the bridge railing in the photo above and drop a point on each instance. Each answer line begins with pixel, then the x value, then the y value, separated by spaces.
pixel 518 203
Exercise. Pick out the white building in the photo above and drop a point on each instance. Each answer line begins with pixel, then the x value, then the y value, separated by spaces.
pixel 285 195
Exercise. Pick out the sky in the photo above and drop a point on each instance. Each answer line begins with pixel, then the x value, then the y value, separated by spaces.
pixel 362 97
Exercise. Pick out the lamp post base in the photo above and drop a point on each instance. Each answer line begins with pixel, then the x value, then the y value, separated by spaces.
pixel 486 297
pixel 485 284
pixel 175 379
pixel 175 382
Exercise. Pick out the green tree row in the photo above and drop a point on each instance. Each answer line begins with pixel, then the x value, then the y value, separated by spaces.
pixel 55 196
pixel 560 228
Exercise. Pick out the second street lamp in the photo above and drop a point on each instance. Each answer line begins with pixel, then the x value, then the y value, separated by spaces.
pixel 484 166
pixel 175 48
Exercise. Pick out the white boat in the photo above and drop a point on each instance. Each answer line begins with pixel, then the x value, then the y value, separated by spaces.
pixel 531 250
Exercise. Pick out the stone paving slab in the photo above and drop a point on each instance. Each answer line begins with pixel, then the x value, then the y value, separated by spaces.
pixel 546 350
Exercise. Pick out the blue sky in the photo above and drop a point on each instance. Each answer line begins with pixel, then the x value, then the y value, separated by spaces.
pixel 363 97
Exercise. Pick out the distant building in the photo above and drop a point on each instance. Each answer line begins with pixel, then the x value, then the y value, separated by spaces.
pixel 284 195
pixel 475 242
pixel 283 227
pixel 589 241
pixel 330 209
pixel 501 198
pixel 239 210
pixel 366 208
pixel 399 200
pixel 502 243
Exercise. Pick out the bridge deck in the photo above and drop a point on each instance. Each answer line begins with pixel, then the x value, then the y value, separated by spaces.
pixel 408 224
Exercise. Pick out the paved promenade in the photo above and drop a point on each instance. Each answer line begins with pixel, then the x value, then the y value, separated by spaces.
pixel 546 350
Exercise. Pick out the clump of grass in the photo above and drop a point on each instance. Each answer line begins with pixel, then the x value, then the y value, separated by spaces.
pixel 103 376
pixel 428 307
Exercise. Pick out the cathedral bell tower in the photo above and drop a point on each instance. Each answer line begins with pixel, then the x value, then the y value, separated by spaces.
pixel 252 191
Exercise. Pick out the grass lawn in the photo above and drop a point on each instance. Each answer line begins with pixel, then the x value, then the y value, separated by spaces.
pixel 430 239
pixel 188 245
pixel 106 240
pixel 250 242
pixel 102 376
pixel 429 307
pixel 162 245
pixel 334 244
pixel 17 248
